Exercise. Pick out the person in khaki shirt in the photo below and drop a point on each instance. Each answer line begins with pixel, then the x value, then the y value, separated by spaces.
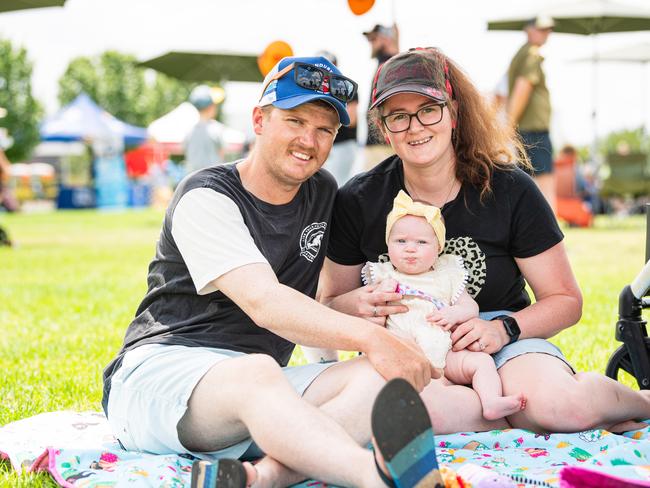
pixel 529 104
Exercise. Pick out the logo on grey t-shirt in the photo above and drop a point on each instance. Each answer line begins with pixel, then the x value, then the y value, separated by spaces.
pixel 310 240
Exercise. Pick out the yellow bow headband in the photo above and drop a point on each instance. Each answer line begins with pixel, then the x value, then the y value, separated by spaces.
pixel 403 205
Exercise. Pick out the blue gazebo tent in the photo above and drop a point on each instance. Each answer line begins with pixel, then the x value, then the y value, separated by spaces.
pixel 84 120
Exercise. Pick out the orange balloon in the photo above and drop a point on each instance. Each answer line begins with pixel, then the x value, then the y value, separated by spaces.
pixel 265 64
pixel 360 7
pixel 273 53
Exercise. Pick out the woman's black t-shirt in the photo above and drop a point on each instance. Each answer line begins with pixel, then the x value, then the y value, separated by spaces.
pixel 513 221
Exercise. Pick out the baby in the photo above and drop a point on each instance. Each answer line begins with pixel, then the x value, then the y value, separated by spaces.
pixel 433 289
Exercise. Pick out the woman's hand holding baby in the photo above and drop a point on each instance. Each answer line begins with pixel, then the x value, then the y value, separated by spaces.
pixel 478 335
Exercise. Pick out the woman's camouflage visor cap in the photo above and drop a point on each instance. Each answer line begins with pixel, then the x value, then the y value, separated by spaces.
pixel 420 71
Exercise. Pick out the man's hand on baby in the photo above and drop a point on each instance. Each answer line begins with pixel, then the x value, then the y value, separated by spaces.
pixel 397 357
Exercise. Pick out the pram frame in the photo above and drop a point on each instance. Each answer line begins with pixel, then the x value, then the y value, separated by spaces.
pixel 633 356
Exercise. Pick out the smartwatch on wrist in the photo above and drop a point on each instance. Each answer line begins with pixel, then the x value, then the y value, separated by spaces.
pixel 511 326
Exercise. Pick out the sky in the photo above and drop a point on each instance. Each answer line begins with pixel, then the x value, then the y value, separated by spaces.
pixel 148 28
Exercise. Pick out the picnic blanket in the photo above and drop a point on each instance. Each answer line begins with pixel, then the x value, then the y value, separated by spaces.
pixel 78 450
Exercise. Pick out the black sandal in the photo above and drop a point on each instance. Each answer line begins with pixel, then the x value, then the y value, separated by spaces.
pixel 403 434
pixel 225 473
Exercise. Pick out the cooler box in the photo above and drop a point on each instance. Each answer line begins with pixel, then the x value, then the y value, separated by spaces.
pixel 75 197
pixel 139 194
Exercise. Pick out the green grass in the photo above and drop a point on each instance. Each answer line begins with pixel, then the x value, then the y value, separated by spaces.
pixel 72 283
pixel 67 290
pixel 604 259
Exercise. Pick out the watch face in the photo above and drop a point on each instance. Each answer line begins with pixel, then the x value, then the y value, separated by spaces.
pixel 512 327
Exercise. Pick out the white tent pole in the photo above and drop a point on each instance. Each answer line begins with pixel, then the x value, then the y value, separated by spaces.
pixel 595 157
pixel 644 97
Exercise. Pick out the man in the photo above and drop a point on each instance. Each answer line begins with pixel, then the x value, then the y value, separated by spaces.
pixel 204 145
pixel 384 44
pixel 230 293
pixel 529 104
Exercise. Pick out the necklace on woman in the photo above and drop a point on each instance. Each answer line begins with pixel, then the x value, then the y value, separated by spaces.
pixel 412 191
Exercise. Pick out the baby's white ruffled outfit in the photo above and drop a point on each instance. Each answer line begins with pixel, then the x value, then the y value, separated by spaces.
pixel 445 283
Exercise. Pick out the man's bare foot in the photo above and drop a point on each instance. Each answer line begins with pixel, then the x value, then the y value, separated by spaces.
pixel 251 474
pixel 500 407
pixel 268 473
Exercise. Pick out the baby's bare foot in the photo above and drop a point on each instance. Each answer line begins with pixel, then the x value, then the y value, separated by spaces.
pixel 500 407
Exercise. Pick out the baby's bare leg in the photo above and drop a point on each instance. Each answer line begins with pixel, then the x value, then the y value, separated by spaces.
pixel 478 369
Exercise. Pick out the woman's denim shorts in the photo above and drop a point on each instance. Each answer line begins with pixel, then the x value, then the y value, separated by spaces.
pixel 524 346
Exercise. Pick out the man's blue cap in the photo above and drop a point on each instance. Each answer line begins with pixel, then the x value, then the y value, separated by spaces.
pixel 285 94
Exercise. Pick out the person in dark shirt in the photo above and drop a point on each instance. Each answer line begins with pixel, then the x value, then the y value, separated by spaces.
pixel 452 153
pixel 384 43
pixel 203 368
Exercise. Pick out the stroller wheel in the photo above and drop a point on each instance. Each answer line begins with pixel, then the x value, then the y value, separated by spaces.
pixel 619 367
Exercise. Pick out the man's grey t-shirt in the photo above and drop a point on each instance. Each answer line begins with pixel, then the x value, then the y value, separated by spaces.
pixel 183 307
pixel 203 145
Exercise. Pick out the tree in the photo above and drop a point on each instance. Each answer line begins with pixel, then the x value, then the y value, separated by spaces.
pixel 629 140
pixel 23 111
pixel 116 83
pixel 164 94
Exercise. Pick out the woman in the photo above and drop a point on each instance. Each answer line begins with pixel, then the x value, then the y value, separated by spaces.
pixel 451 153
